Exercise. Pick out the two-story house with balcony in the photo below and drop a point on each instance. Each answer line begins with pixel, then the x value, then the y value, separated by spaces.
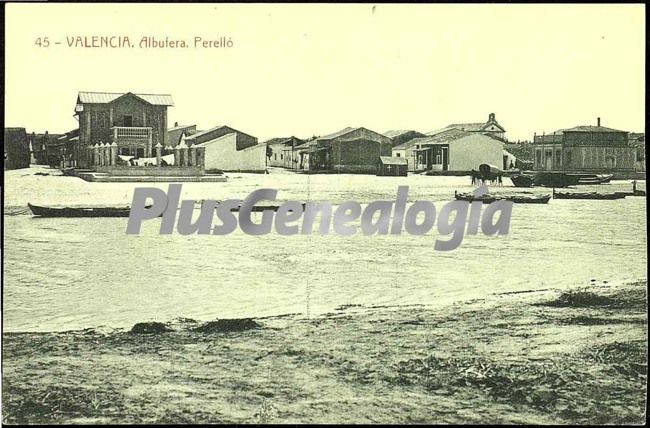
pixel 134 123
pixel 584 149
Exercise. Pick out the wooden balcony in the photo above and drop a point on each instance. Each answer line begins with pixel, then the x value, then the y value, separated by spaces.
pixel 131 133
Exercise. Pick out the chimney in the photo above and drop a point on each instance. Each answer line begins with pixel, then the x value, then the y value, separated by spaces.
pixel 598 121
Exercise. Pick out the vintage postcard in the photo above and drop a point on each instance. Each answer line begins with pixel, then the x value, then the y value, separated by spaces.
pixel 327 213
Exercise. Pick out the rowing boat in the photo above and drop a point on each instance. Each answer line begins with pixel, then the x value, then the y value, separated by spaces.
pixel 40 211
pixel 517 199
pixel 588 195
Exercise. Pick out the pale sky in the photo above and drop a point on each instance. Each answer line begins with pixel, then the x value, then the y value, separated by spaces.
pixel 308 70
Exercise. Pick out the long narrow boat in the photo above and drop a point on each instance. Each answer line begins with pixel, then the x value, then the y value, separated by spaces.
pixel 517 199
pixel 588 195
pixel 596 179
pixel 256 208
pixel 40 211
pixel 262 208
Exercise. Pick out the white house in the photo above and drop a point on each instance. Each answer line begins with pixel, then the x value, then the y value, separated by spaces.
pixel 222 153
pixel 455 150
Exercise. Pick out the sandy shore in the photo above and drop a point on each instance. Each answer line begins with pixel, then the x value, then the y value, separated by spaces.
pixel 537 357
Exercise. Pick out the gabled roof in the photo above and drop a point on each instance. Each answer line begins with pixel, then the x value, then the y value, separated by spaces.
pixel 108 97
pixel 337 134
pixel 217 131
pixel 443 137
pixel 472 127
pixel 201 133
pixel 396 133
pixel 345 131
pixel 278 140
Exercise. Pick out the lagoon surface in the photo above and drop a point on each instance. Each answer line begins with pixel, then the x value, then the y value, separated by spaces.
pixel 63 274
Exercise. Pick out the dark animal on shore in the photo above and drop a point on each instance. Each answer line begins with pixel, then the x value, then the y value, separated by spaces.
pixel 228 325
pixel 150 328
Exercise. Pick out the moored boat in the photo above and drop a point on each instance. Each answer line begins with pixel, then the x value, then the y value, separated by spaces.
pixel 517 199
pixel 555 179
pixel 521 180
pixel 40 211
pixel 588 195
pixel 597 179
pixel 262 208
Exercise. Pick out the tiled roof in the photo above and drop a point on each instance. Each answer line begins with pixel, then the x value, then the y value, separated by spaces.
pixel 200 133
pixel 107 97
pixel 441 138
pixel 469 127
pixel 338 133
pixel 588 128
pixel 276 140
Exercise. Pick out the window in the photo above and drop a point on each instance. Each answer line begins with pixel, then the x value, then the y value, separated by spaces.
pixel 398 155
pixel 567 157
pixel 128 120
pixel 281 157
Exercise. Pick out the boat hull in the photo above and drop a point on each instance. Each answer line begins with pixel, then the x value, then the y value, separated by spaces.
pixel 40 211
pixel 521 180
pixel 555 179
pixel 488 199
pixel 591 195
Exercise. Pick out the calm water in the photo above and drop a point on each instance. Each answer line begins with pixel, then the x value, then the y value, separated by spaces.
pixel 62 274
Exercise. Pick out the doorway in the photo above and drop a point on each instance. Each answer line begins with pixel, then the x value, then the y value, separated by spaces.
pixel 445 158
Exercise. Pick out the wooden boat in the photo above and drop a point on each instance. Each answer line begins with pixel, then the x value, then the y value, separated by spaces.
pixel 520 180
pixel 262 208
pixel 594 178
pixel 517 199
pixel 587 195
pixel 40 211
pixel 256 208
pixel 555 179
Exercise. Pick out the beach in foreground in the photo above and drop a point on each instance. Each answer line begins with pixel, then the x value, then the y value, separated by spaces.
pixel 544 356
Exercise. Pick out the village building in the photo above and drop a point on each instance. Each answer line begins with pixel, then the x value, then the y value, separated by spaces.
pixel 302 154
pixel 281 152
pixel 61 151
pixel 132 124
pixel 452 151
pixel 350 150
pixel 392 166
pixel 227 149
pixel 491 127
pixel 16 148
pixel 41 147
pixel 636 140
pixel 407 151
pixel 585 149
pixel 175 133
pixel 400 137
